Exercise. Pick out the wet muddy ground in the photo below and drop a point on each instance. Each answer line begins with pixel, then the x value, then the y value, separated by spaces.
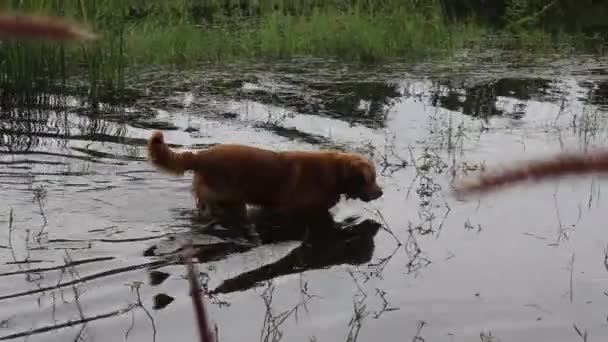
pixel 90 229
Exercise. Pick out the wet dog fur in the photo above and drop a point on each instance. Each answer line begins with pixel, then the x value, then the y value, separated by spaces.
pixel 231 176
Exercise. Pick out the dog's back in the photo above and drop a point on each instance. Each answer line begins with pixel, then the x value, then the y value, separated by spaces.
pixel 242 173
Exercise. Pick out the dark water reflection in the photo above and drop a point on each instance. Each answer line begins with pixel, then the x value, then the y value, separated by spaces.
pixel 323 243
pixel 481 100
pixel 91 243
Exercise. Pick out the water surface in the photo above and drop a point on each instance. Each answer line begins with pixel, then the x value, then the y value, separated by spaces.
pixel 89 250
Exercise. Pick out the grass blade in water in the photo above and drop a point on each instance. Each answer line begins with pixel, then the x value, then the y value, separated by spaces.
pixel 205 332
pixel 15 25
pixel 561 165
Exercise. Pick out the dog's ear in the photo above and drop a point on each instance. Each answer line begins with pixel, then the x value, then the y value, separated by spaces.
pixel 357 173
pixel 351 176
pixel 358 180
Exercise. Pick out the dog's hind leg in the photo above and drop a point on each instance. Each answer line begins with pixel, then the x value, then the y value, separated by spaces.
pixel 235 215
pixel 229 210
pixel 202 197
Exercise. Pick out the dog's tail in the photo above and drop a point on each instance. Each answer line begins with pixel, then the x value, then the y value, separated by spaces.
pixel 167 160
pixel 561 165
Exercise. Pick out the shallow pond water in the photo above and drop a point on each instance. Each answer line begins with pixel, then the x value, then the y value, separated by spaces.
pixel 89 228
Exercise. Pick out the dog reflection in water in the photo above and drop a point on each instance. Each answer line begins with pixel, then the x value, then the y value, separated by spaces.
pixel 325 243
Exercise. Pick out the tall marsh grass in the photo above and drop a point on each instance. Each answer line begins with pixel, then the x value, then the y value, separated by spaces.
pixel 136 33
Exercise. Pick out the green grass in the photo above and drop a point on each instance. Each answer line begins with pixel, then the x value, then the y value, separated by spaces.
pixel 156 32
pixel 344 36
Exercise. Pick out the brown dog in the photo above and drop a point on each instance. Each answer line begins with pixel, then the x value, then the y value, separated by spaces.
pixel 232 175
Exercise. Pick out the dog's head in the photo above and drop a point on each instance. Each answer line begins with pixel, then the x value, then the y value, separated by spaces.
pixel 357 178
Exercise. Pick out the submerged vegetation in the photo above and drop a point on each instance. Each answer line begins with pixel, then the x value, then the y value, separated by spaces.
pixel 185 32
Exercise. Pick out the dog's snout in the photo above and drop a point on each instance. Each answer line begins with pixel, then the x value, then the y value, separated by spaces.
pixel 372 194
pixel 377 194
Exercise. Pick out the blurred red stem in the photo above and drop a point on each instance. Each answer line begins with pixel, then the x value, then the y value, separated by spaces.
pixel 205 332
